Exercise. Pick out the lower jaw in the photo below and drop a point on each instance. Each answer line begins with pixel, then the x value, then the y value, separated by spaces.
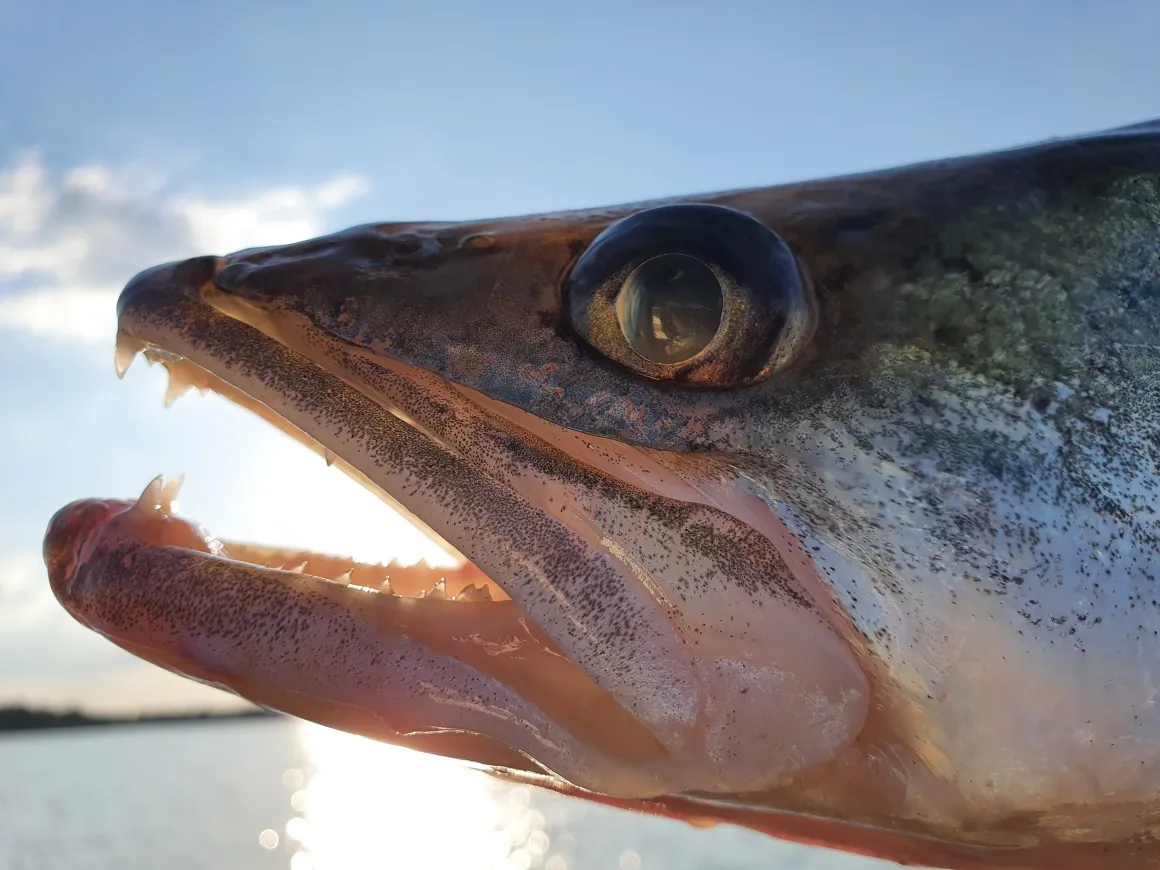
pixel 453 674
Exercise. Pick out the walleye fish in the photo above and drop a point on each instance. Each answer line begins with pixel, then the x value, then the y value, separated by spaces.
pixel 828 509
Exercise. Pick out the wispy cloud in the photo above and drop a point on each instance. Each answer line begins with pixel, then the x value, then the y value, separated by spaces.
pixel 69 241
pixel 23 593
pixel 60 312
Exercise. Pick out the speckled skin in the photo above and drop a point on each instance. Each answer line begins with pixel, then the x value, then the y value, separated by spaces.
pixel 967 448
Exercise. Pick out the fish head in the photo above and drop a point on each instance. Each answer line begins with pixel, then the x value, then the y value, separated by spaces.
pixel 834 499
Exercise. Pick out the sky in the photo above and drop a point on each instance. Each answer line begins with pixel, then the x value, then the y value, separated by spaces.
pixel 133 133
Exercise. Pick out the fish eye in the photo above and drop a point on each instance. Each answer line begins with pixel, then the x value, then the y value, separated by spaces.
pixel 697 294
pixel 669 308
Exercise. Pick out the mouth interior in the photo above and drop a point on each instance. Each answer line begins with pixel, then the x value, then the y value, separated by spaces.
pixel 463 582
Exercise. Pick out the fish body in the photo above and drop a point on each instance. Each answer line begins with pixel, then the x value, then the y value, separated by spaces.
pixel 828 509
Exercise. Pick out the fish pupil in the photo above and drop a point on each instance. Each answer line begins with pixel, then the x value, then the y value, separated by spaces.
pixel 669 308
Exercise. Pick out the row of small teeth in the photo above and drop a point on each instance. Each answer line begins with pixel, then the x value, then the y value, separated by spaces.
pixel 469 593
pixel 160 498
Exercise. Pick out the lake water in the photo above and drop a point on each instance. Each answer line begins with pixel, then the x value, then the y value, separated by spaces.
pixel 286 795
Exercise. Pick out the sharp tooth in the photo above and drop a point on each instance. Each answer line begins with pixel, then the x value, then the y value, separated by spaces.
pixel 160 496
pixel 150 499
pixel 474 593
pixel 126 351
pixel 422 593
pixel 298 569
pixel 439 590
pixel 385 586
pixel 169 495
pixel 344 577
pixel 179 385
pixel 329 456
pixel 174 391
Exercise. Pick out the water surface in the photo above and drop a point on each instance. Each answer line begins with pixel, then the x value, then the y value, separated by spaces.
pixel 287 795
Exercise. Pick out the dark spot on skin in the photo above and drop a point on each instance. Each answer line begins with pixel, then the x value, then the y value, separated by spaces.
pixel 860 222
pixel 949 335
pixel 836 279
pixel 963 265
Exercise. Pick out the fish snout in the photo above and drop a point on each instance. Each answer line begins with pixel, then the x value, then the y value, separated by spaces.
pixel 156 288
pixel 69 530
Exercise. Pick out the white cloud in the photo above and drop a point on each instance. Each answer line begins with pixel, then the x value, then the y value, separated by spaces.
pixel 270 217
pixel 24 594
pixel 69 242
pixel 70 312
pixel 24 197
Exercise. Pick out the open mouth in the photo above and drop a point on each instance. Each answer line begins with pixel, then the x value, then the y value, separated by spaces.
pixel 622 618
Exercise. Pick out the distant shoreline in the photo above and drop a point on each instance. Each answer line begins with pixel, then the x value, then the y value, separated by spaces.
pixel 19 718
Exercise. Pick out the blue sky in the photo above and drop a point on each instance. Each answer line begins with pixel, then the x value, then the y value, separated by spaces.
pixel 134 132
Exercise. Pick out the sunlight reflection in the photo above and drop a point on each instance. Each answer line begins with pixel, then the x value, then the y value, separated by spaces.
pixel 304 503
pixel 368 805
pixel 272 490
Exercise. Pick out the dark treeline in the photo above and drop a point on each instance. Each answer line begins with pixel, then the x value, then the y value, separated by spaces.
pixel 26 719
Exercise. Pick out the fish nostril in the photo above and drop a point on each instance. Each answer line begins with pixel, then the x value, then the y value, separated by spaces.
pixel 406 245
pixel 156 285
pixel 196 271
pixel 232 276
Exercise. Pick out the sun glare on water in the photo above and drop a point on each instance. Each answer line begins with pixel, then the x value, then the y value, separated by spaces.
pixel 362 805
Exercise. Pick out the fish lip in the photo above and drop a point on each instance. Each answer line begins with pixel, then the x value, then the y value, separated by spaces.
pixel 69 531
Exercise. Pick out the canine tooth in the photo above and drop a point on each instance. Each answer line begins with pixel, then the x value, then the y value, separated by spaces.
pixel 169 493
pixel 179 385
pixel 126 351
pixel 385 586
pixel 439 590
pixel 345 577
pixel 161 495
pixel 298 569
pixel 150 498
pixel 174 391
pixel 329 455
